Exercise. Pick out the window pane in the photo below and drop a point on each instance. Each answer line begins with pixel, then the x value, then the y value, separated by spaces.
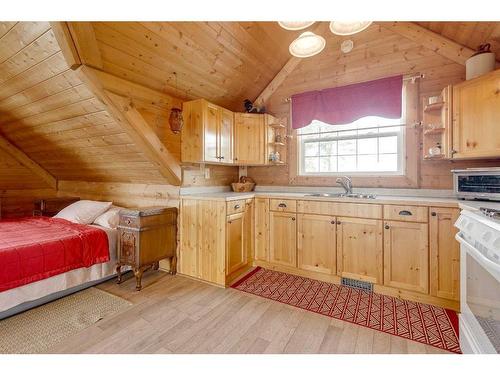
pixel 367 146
pixel 328 148
pixel 311 149
pixel 347 147
pixel 328 164
pixel 347 163
pixel 311 165
pixel 388 162
pixel 388 145
pixel 367 163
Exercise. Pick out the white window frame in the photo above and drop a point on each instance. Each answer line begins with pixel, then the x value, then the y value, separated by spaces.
pixel 401 150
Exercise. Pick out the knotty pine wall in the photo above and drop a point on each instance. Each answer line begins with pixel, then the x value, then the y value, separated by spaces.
pixel 377 53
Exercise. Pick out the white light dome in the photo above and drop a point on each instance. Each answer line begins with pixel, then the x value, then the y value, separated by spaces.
pixel 307 44
pixel 295 25
pixel 348 27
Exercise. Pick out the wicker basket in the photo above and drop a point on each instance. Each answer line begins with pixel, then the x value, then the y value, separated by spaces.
pixel 242 187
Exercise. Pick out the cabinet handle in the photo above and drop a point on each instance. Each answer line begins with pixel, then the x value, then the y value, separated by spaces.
pixel 332 222
pixel 235 158
pixel 221 157
pixel 282 205
pixel 236 206
pixel 293 219
pixel 338 223
pixel 386 226
pixel 405 213
pixel 433 214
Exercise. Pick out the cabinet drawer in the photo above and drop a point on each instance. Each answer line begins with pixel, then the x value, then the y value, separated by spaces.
pixel 130 221
pixel 406 213
pixel 235 207
pixel 364 210
pixel 284 205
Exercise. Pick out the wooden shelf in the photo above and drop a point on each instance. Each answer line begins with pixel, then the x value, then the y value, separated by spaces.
pixel 434 131
pixel 281 126
pixel 277 143
pixel 277 162
pixel 433 106
pixel 432 157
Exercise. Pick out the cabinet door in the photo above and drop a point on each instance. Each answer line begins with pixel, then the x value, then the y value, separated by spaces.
pixel 261 229
pixel 283 244
pixel 316 244
pixel 226 136
pixel 249 138
pixel 406 256
pixel 211 131
pixel 444 253
pixel 476 115
pixel 189 238
pixel 359 249
pixel 236 252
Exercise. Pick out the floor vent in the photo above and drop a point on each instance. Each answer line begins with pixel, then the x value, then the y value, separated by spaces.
pixel 363 285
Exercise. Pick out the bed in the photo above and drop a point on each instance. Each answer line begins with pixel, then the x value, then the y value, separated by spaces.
pixel 42 259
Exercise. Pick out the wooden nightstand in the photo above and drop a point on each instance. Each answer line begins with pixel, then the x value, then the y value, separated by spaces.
pixel 146 236
pixel 51 206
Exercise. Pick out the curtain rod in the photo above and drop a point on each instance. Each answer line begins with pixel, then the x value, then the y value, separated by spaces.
pixel 414 125
pixel 407 78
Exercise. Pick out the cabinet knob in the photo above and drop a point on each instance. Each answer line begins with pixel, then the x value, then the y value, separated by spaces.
pixel 221 157
pixel 338 223
pixel 386 226
pixel 433 213
pixel 293 219
pixel 236 206
pixel 332 222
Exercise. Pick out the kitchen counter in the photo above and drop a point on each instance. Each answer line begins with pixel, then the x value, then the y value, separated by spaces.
pixel 381 199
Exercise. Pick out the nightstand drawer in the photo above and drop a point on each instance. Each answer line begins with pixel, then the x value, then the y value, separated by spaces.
pixel 130 221
pixel 235 207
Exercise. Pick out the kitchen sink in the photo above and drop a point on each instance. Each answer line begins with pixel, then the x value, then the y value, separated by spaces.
pixel 342 195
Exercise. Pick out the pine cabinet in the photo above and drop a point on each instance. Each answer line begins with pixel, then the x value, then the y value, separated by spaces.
pixel 444 253
pixel 249 134
pixel 261 229
pixel 207 135
pixel 283 238
pixel 239 239
pixel 360 249
pixel 476 115
pixel 406 255
pixel 316 243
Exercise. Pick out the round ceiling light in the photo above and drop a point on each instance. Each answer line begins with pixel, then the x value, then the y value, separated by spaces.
pixel 348 27
pixel 295 25
pixel 307 44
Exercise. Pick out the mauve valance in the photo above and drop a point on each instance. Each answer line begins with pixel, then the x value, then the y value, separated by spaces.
pixel 343 105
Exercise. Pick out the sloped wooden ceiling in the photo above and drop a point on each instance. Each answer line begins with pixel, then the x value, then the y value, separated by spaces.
pixel 15 176
pixel 224 62
pixel 48 113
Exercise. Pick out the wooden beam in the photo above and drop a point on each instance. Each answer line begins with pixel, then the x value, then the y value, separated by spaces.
pixel 123 111
pixel 85 42
pixel 285 71
pixel 25 160
pixel 431 40
pixel 66 43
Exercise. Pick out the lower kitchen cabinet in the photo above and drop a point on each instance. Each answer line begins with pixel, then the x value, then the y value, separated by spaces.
pixel 359 249
pixel 406 256
pixel 316 243
pixel 444 253
pixel 283 238
pixel 261 229
pixel 236 251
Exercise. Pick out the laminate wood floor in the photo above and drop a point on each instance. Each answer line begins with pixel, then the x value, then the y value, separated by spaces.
pixel 175 314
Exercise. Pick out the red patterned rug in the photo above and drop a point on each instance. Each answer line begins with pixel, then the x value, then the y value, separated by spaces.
pixel 419 322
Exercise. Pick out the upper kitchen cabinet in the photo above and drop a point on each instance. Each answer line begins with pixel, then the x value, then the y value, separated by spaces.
pixel 207 135
pixel 476 117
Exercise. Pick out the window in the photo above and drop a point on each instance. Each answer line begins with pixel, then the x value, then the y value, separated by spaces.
pixel 370 145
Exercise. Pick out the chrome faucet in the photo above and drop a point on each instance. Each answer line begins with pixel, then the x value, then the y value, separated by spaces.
pixel 346 183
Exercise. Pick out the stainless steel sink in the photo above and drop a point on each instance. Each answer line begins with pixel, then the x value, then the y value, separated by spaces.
pixel 342 195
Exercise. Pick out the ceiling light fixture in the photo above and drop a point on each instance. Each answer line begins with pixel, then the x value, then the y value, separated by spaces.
pixel 348 27
pixel 295 25
pixel 307 44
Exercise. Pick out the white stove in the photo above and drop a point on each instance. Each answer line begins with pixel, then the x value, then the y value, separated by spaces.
pixel 479 238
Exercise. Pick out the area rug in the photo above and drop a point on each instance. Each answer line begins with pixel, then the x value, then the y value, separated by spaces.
pixel 37 330
pixel 415 321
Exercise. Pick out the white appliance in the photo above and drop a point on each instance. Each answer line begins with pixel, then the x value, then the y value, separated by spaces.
pixel 479 237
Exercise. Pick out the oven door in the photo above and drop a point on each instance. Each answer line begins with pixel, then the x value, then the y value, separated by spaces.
pixel 480 301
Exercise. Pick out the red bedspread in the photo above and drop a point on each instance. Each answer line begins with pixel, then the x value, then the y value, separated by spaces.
pixel 37 248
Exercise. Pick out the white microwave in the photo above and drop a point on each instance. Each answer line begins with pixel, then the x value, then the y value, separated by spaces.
pixel 477 183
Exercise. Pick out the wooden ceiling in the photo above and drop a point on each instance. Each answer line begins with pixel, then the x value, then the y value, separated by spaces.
pixel 51 115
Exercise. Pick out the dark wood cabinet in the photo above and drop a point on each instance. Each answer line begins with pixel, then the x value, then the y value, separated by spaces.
pixel 51 206
pixel 146 236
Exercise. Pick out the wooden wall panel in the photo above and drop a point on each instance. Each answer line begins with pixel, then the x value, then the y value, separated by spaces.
pixel 194 175
pixel 377 53
pixel 19 203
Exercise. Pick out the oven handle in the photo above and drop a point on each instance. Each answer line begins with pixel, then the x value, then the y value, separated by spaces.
pixel 478 255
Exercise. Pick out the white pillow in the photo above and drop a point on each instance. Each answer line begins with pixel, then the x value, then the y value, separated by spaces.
pixel 83 212
pixel 110 218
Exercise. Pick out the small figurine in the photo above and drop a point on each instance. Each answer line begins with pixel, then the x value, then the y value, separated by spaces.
pixel 250 108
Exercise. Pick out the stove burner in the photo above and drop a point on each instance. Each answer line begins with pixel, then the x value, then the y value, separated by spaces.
pixel 490 212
